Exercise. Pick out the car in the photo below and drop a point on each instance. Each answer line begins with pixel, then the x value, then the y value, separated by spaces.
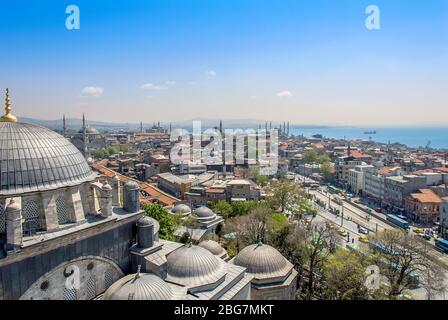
pixel 307 220
pixel 356 201
pixel 378 210
pixel 418 230
pixel 427 236
pixel 363 239
pixel 363 230
pixel 343 232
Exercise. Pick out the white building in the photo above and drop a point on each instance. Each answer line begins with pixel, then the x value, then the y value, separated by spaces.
pixel 356 177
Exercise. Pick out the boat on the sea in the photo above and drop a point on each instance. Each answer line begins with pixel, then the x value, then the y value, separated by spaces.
pixel 370 132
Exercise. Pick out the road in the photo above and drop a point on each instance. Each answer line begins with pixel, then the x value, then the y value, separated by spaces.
pixel 357 217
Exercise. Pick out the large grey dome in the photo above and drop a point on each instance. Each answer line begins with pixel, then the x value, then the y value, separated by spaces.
pixel 263 261
pixel 193 267
pixel 142 287
pixel 181 209
pixel 34 158
pixel 204 212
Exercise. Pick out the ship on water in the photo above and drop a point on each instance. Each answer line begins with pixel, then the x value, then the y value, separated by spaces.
pixel 370 132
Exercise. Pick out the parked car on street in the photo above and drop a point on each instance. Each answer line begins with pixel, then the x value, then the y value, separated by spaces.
pixel 363 230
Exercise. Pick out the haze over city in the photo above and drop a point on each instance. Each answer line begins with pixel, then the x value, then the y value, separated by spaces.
pixel 311 62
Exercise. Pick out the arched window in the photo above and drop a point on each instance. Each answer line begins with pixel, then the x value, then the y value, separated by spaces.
pixel 31 217
pixel 62 210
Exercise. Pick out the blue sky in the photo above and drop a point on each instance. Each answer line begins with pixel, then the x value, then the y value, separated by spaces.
pixel 311 62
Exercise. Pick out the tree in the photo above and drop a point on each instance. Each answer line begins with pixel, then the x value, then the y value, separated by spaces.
pixel 310 156
pixel 259 178
pixel 404 257
pixel 168 223
pixel 344 276
pixel 241 208
pixel 327 171
pixel 313 157
pixel 321 240
pixel 250 228
pixel 223 208
pixel 289 198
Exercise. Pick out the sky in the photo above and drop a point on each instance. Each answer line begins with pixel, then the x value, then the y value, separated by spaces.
pixel 306 61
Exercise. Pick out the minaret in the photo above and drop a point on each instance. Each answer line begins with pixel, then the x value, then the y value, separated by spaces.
pixel 8 117
pixel 84 136
pixel 220 126
pixel 170 127
pixel 280 129
pixel 64 125
pixel 266 126
pixel 141 126
pixel 284 128
pixel 288 129
pixel 270 124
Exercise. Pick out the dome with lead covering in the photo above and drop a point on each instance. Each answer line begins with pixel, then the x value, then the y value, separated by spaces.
pixel 181 209
pixel 213 246
pixel 34 158
pixel 204 213
pixel 143 286
pixel 193 267
pixel 263 261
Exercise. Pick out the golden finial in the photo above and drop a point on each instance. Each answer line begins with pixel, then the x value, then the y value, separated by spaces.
pixel 8 117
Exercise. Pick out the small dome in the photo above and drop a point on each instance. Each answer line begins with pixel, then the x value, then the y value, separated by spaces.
pixel 145 221
pixel 212 246
pixel 144 286
pixel 204 212
pixel 131 185
pixel 193 266
pixel 263 261
pixel 181 208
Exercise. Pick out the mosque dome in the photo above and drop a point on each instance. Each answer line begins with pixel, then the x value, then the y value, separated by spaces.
pixel 143 286
pixel 34 158
pixel 193 266
pixel 181 209
pixel 263 261
pixel 204 213
pixel 89 130
pixel 213 246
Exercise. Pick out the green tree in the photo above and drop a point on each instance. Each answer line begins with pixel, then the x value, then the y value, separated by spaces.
pixel 168 223
pixel 289 198
pixel 310 156
pixel 344 275
pixel 223 208
pixel 241 208
pixel 327 171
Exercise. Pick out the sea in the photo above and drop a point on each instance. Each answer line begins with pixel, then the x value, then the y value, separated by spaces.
pixel 432 137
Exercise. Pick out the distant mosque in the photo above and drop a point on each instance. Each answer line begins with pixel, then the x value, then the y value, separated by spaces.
pixel 87 139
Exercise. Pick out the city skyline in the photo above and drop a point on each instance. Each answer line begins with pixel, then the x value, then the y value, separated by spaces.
pixel 311 63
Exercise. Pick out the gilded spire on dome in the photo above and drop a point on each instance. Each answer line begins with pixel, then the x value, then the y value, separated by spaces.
pixel 8 117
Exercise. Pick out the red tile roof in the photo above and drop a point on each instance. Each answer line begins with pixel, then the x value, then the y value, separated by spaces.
pixel 426 196
pixel 153 192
